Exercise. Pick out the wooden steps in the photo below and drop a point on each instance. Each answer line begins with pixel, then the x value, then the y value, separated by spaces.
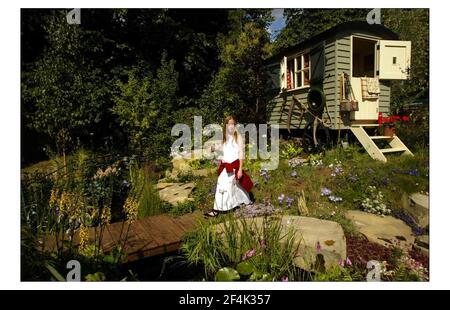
pixel 368 142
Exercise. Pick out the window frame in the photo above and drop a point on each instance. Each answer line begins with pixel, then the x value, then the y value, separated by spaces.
pixel 296 72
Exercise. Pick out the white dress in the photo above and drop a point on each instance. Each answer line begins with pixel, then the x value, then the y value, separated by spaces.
pixel 229 194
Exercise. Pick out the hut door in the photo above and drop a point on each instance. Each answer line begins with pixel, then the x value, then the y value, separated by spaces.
pixel 394 59
pixel 363 68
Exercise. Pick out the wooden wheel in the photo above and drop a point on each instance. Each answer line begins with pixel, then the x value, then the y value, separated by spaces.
pixel 296 113
pixel 316 137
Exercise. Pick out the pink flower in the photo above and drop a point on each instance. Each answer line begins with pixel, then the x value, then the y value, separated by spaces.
pixel 263 244
pixel 318 247
pixel 249 254
pixel 341 262
pixel 285 279
pixel 348 262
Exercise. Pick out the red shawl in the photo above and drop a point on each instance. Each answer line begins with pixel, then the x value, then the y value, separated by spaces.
pixel 244 181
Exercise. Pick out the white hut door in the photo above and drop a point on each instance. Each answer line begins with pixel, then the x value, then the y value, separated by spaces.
pixel 364 64
pixel 394 59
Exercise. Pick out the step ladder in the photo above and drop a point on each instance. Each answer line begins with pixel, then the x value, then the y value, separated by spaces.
pixel 368 142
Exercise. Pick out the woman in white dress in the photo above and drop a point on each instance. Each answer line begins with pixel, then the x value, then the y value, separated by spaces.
pixel 230 192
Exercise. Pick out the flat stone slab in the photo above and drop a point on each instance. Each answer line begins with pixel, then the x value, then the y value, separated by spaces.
pixel 382 230
pixel 308 232
pixel 175 193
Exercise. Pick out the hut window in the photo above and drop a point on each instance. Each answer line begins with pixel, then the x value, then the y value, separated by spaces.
pixel 298 71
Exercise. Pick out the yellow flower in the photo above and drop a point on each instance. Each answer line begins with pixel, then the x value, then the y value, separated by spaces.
pixel 106 215
pixel 84 236
pixel 64 202
pixel 131 207
pixel 53 197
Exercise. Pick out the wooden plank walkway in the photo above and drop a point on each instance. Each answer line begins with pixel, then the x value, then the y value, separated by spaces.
pixel 150 236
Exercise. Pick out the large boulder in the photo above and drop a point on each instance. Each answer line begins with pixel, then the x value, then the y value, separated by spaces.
pixel 385 230
pixel 309 232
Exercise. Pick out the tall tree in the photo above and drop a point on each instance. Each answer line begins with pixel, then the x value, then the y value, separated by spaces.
pixel 64 91
pixel 240 84
pixel 411 25
pixel 302 24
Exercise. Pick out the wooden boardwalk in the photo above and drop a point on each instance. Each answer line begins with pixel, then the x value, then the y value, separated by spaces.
pixel 150 236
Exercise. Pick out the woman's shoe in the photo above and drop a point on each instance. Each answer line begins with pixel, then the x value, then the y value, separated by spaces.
pixel 213 213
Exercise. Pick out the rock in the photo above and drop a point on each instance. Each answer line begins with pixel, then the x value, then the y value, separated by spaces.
pixel 308 232
pixel 423 240
pixel 418 207
pixel 382 230
pixel 422 243
pixel 175 193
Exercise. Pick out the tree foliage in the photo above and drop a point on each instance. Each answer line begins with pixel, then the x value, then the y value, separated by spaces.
pixel 239 86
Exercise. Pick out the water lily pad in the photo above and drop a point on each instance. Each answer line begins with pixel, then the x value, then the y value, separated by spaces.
pixel 227 274
pixel 245 268
pixel 259 276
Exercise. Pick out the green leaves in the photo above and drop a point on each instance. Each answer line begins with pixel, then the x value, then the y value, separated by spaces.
pixel 227 274
pixel 245 268
pixel 143 105
pixel 64 90
pixel 56 275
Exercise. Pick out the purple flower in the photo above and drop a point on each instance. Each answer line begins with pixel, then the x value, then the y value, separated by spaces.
pixel 413 172
pixel 126 183
pixel 336 171
pixel 289 201
pixel 293 173
pixel 353 178
pixel 341 262
pixel 335 198
pixel 318 246
pixel 285 279
pixel 249 254
pixel 370 170
pixel 325 191
pixel 281 198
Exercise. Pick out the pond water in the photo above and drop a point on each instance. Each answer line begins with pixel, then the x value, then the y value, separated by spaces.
pixel 167 267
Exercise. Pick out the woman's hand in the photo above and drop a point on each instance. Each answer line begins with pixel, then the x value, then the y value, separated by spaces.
pixel 239 174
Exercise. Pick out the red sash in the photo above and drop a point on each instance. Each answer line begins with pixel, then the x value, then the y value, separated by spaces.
pixel 244 181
